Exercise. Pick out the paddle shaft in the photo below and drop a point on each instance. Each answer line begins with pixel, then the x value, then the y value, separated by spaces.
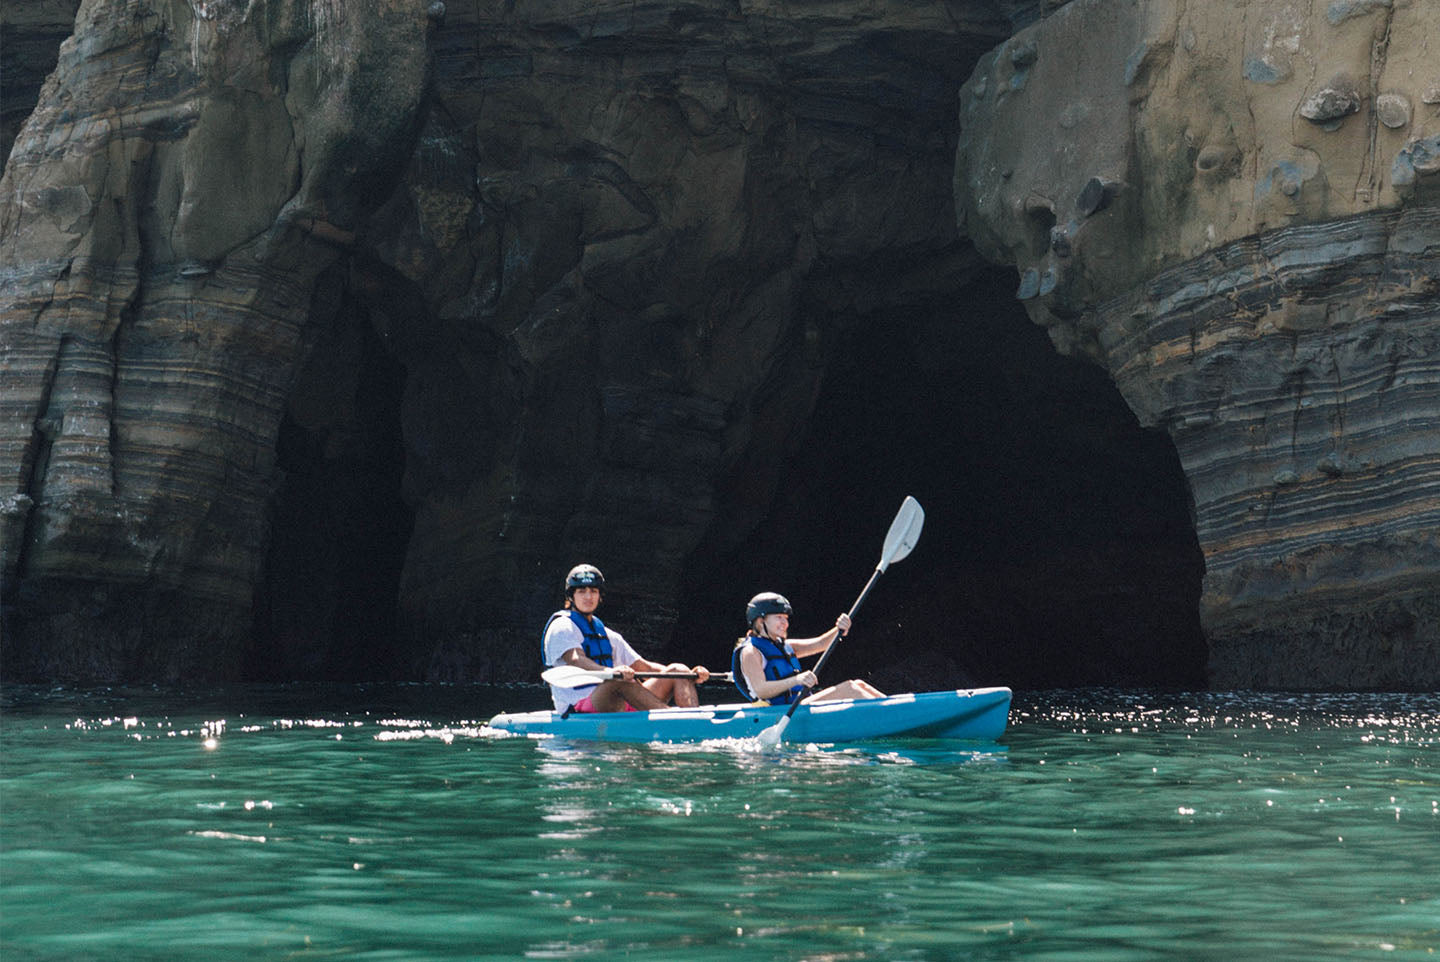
pixel 573 676
pixel 874 576
pixel 899 542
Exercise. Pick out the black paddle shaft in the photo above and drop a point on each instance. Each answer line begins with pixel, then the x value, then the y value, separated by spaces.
pixel 836 643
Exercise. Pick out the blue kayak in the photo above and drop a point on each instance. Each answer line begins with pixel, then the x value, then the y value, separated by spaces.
pixel 979 713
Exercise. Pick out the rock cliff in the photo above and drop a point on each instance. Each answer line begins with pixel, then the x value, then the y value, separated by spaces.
pixel 189 172
pixel 1232 207
pixel 334 333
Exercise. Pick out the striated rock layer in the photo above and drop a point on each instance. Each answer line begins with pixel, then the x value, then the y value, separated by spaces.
pixel 190 170
pixel 1235 209
pixel 639 230
pixel 601 302
pixel 333 333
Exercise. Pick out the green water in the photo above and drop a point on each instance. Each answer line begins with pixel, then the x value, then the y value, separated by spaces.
pixel 388 823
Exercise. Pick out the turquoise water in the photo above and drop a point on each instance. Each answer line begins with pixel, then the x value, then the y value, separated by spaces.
pixel 389 823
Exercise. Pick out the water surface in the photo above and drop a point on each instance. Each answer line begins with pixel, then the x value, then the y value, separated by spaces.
pixel 388 823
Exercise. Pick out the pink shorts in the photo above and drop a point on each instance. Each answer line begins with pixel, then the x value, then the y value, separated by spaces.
pixel 584 705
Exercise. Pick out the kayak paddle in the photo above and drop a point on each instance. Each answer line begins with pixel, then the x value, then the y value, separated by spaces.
pixel 899 541
pixel 573 676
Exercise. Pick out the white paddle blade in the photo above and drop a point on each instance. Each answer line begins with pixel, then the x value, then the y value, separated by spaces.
pixel 770 737
pixel 572 676
pixel 904 532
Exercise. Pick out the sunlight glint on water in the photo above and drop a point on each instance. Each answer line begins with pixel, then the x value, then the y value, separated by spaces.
pixel 389 823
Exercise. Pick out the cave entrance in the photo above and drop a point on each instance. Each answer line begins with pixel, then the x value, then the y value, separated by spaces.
pixel 326 606
pixel 1058 547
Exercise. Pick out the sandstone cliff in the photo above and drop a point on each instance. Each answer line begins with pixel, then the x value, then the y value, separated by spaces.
pixel 333 333
pixel 188 174
pixel 1232 207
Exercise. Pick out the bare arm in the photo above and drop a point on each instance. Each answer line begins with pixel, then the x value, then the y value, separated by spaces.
pixel 645 664
pixel 577 657
pixel 805 647
pixel 752 665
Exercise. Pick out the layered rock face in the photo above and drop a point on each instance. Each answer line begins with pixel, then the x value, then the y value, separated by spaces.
pixel 638 231
pixel 602 300
pixel 189 172
pixel 1235 209
pixel 333 333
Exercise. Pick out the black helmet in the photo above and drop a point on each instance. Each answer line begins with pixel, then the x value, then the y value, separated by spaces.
pixel 766 603
pixel 584 576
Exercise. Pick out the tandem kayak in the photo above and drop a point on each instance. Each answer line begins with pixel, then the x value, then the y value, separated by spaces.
pixel 979 713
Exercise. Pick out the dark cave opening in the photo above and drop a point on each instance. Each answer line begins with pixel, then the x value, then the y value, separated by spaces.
pixel 1058 546
pixel 326 608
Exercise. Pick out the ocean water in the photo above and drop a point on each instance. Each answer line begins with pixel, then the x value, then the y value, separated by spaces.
pixel 387 822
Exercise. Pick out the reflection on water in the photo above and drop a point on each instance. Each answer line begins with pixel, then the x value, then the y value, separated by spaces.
pixel 389 822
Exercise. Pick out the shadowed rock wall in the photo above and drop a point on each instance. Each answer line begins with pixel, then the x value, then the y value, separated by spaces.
pixel 1232 208
pixel 31 32
pixel 189 172
pixel 1058 548
pixel 334 333
pixel 594 282
pixel 637 230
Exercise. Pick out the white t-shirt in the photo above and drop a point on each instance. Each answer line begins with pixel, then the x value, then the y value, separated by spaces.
pixel 562 635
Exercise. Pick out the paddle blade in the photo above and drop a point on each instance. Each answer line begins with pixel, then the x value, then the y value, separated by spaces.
pixel 904 532
pixel 771 736
pixel 570 676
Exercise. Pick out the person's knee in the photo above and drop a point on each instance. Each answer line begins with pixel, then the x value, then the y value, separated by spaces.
pixel 645 698
pixel 857 688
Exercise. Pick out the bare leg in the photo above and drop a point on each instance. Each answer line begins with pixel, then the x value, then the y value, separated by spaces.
pixel 615 694
pixel 680 690
pixel 854 688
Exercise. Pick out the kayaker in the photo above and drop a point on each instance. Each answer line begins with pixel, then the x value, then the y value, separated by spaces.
pixel 766 664
pixel 576 636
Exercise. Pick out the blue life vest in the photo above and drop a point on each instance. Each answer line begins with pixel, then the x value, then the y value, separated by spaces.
pixel 595 643
pixel 780 662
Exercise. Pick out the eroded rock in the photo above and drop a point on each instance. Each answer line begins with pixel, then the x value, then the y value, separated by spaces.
pixel 1331 102
pixel 1270 301
pixel 611 264
pixel 1393 110
pixel 188 173
pixel 665 250
pixel 607 278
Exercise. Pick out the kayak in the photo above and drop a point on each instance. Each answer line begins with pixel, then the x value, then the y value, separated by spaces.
pixel 979 713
